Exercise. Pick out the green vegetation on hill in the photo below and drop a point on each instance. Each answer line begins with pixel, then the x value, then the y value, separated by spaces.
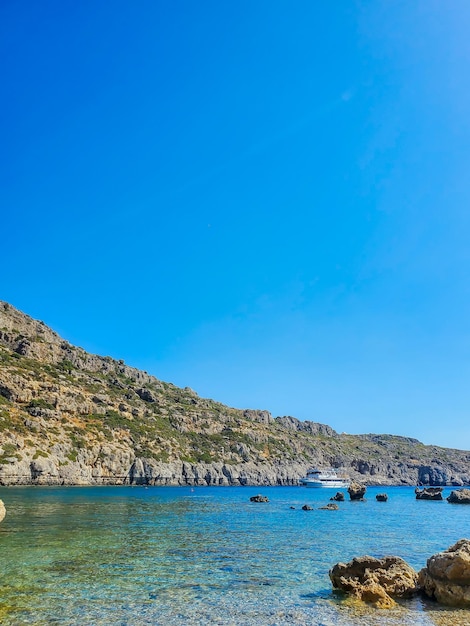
pixel 66 413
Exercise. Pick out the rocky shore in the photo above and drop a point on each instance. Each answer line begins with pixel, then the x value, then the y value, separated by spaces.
pixel 380 582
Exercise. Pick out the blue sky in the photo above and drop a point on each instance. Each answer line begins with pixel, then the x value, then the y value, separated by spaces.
pixel 265 201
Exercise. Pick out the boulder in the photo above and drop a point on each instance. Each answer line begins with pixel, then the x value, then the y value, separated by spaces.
pixel 459 496
pixel 381 497
pixel 259 498
pixel 446 577
pixel 306 507
pixel 356 491
pixel 339 496
pixel 375 581
pixel 329 507
pixel 3 511
pixel 429 493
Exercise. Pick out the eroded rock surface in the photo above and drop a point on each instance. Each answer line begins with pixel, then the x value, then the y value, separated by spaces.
pixel 339 496
pixel 259 498
pixel 446 577
pixel 459 496
pixel 375 581
pixel 329 507
pixel 356 491
pixel 3 511
pixel 429 493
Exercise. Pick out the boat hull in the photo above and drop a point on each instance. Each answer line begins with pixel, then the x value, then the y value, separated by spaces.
pixel 318 484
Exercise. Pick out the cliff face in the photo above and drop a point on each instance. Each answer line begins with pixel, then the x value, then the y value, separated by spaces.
pixel 70 417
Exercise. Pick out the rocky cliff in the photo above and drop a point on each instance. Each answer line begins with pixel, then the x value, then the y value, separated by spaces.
pixel 70 417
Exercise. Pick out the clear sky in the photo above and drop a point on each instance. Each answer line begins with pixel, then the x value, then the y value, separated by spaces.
pixel 266 201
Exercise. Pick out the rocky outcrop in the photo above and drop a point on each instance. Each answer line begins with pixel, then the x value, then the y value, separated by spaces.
pixel 259 498
pixel 3 511
pixel 356 491
pixel 429 493
pixel 329 507
pixel 313 428
pixel 459 496
pixel 307 507
pixel 446 577
pixel 381 497
pixel 339 496
pixel 375 581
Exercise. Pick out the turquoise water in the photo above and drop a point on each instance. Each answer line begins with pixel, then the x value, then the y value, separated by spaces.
pixel 176 556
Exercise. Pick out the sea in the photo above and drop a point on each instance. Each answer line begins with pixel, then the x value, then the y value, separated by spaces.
pixel 207 555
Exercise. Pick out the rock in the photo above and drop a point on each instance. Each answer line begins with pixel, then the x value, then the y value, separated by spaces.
pixel 459 496
pixel 292 507
pixel 356 491
pixel 446 577
pixel 433 476
pixel 264 417
pixel 306 507
pixel 329 507
pixel 381 497
pixel 339 496
pixel 3 511
pixel 259 498
pixel 429 493
pixel 375 581
pixel 146 395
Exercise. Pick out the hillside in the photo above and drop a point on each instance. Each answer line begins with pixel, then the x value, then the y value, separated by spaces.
pixel 70 417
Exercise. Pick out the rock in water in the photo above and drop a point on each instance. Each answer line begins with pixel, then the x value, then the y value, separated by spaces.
pixel 381 497
pixel 375 581
pixel 259 498
pixel 306 507
pixel 3 511
pixel 329 507
pixel 356 491
pixel 429 493
pixel 459 496
pixel 446 577
pixel 339 497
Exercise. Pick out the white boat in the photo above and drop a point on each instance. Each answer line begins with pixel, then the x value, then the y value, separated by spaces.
pixel 324 478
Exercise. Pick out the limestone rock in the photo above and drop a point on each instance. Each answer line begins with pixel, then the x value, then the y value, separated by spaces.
pixel 329 507
pixel 3 511
pixel 339 496
pixel 375 581
pixel 381 497
pixel 435 476
pixel 307 507
pixel 446 577
pixel 429 493
pixel 259 498
pixel 356 491
pixel 459 496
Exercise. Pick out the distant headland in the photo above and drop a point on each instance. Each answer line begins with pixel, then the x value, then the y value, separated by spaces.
pixel 68 417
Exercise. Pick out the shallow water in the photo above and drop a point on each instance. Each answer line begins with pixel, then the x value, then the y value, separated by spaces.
pixel 176 556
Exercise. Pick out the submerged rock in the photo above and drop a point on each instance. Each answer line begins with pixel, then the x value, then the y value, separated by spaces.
pixel 429 493
pixel 356 491
pixel 339 496
pixel 459 496
pixel 446 577
pixel 3 511
pixel 375 581
pixel 381 497
pixel 259 498
pixel 329 507
pixel 306 507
